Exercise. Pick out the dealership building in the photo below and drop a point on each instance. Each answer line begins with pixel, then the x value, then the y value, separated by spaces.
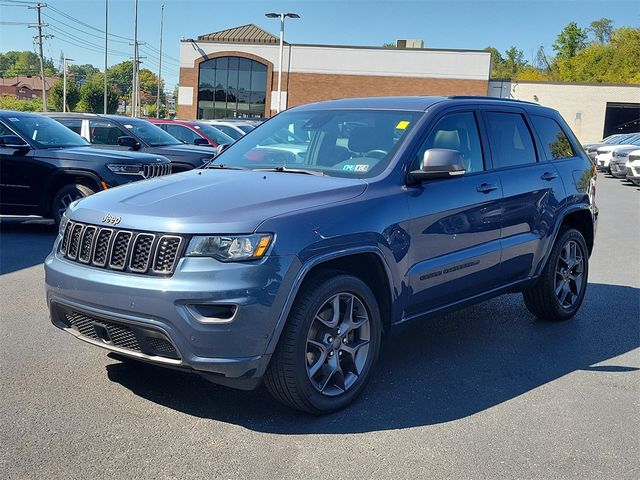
pixel 234 73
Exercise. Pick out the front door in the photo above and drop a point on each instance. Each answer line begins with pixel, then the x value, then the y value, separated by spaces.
pixel 22 178
pixel 455 227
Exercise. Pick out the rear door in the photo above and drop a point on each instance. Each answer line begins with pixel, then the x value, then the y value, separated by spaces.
pixel 455 226
pixel 532 188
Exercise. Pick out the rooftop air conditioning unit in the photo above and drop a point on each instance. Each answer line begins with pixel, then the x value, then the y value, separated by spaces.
pixel 409 43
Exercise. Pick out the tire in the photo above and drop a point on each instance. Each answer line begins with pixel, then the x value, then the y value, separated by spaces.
pixel 294 378
pixel 555 296
pixel 65 196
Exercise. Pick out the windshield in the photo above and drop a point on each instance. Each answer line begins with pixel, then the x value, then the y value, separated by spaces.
pixel 45 132
pixel 149 133
pixel 341 143
pixel 214 134
pixel 246 128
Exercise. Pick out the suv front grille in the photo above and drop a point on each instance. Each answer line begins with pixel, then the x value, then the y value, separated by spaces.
pixel 154 170
pixel 123 250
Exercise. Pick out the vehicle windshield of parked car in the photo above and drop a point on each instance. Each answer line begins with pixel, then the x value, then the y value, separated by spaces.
pixel 246 128
pixel 214 134
pixel 151 134
pixel 45 132
pixel 341 143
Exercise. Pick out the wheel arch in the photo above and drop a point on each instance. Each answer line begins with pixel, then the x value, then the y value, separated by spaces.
pixel 71 177
pixel 366 263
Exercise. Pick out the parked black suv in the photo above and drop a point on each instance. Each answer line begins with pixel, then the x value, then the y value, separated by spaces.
pixel 126 133
pixel 45 166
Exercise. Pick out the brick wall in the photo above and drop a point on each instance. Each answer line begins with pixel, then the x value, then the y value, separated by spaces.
pixel 315 87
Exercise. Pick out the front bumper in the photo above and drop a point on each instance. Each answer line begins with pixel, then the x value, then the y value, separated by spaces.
pixel 164 320
pixel 618 170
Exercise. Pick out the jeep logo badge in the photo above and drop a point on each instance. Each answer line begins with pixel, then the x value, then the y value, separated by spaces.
pixel 108 218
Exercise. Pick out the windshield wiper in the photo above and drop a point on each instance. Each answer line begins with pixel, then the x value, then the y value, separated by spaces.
pixel 221 166
pixel 285 169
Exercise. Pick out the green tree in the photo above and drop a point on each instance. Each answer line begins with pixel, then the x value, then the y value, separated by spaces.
pixel 570 41
pixel 514 61
pixel 9 102
pixel 16 63
pixel 92 96
pixel 82 72
pixel 121 77
pixel 601 29
pixel 55 100
pixel 507 67
pixel 388 45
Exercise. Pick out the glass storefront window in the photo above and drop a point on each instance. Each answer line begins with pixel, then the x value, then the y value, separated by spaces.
pixel 232 87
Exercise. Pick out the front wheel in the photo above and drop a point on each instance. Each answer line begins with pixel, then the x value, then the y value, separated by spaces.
pixel 559 292
pixel 328 347
pixel 65 196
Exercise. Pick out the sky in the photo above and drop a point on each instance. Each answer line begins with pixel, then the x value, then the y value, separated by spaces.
pixel 465 24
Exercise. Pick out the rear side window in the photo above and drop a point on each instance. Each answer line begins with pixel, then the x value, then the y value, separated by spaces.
pixel 555 143
pixel 511 142
pixel 104 132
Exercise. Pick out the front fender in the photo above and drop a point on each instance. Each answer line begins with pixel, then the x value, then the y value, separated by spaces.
pixel 303 270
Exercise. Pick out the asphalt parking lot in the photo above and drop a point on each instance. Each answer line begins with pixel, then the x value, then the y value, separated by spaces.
pixel 487 392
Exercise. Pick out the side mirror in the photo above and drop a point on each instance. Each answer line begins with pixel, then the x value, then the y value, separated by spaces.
pixel 221 148
pixel 129 142
pixel 439 163
pixel 13 141
pixel 200 141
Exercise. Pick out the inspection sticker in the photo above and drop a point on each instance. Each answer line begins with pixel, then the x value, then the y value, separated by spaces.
pixel 403 124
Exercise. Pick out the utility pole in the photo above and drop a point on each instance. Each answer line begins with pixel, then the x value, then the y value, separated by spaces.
pixel 134 85
pixel 40 37
pixel 106 44
pixel 160 63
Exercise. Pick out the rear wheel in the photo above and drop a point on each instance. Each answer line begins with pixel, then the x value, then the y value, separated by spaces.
pixel 65 196
pixel 328 346
pixel 559 292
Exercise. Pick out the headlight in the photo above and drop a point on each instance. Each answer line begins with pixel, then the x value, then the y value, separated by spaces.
pixel 228 248
pixel 134 169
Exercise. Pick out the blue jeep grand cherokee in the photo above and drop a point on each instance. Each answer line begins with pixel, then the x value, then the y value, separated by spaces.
pixel 290 256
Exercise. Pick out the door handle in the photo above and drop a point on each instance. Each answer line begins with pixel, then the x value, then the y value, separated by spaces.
pixel 487 187
pixel 548 176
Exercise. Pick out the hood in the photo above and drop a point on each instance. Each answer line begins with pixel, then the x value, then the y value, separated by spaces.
pixel 615 148
pixel 184 149
pixel 213 201
pixel 99 154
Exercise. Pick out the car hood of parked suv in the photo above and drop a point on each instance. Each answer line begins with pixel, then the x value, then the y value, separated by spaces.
pixel 90 153
pixel 213 201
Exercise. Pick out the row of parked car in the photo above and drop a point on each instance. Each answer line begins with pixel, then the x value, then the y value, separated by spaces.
pixel 49 160
pixel 618 155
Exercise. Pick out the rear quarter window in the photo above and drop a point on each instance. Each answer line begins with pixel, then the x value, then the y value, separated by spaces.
pixel 555 143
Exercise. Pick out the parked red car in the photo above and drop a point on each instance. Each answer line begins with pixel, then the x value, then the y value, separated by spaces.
pixel 193 132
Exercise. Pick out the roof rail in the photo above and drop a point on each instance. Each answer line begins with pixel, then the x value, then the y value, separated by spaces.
pixel 497 99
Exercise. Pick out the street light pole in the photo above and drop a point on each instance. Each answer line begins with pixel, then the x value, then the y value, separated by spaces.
pixel 106 44
pixel 160 63
pixel 64 81
pixel 281 16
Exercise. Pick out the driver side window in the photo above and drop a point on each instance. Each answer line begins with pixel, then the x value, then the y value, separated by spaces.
pixel 456 131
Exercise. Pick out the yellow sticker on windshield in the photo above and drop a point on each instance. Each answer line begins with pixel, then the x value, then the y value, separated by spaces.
pixel 402 125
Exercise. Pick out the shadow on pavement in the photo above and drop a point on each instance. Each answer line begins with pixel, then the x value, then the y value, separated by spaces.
pixel 445 369
pixel 24 242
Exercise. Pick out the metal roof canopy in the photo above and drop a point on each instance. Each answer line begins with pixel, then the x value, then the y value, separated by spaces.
pixel 249 33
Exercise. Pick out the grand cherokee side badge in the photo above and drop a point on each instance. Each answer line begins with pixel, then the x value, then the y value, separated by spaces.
pixel 108 218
